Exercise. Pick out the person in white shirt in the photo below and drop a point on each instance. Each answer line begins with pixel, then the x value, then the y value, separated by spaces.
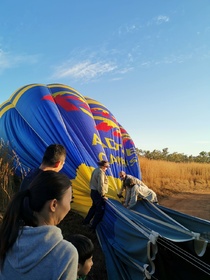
pixel 98 188
pixel 135 191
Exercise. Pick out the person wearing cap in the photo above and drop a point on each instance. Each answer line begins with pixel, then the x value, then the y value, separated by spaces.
pixel 135 191
pixel 123 176
pixel 98 190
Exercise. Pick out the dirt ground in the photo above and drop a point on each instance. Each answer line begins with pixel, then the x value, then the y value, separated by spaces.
pixel 195 203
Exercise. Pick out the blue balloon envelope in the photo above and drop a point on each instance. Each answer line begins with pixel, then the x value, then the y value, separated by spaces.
pixel 38 115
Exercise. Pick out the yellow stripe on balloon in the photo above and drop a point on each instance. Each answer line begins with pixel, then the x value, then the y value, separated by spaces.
pixel 81 189
pixel 18 94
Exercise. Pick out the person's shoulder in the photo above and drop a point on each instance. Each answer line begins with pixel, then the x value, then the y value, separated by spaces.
pixel 68 246
pixel 33 173
pixel 128 176
pixel 135 187
pixel 66 255
pixel 136 180
pixel 29 177
pixel 97 170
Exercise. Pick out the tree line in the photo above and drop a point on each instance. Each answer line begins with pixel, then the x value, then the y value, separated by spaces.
pixel 203 157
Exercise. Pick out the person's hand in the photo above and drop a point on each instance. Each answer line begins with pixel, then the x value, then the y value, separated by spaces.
pixel 105 198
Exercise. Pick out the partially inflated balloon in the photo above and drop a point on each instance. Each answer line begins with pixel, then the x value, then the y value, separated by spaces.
pixel 38 115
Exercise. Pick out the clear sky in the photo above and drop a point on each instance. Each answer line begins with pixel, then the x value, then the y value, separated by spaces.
pixel 147 61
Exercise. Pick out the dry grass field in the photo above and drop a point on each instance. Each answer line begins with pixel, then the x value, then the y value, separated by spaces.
pixel 166 177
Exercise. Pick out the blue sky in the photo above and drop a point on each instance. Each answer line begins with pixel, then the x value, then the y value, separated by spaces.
pixel 147 61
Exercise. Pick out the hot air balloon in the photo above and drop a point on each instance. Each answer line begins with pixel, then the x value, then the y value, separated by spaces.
pixel 38 115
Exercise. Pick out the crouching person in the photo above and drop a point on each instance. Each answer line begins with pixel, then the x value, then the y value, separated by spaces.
pixel 135 191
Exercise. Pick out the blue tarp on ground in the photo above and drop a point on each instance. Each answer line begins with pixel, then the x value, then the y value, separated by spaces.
pixel 192 223
pixel 137 242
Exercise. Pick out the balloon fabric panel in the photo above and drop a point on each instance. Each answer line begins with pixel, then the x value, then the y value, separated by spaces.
pixel 38 115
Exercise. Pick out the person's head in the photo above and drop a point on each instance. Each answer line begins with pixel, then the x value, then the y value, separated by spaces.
pixel 49 195
pixel 46 202
pixel 129 182
pixel 103 164
pixel 85 250
pixel 122 175
pixel 54 157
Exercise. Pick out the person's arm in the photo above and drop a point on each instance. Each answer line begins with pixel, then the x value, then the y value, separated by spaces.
pixel 133 197
pixel 24 184
pixel 102 184
pixel 127 197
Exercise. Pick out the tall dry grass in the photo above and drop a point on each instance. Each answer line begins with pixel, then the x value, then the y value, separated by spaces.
pixel 165 177
pixel 9 182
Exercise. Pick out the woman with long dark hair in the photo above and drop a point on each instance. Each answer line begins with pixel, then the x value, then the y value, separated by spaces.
pixel 31 246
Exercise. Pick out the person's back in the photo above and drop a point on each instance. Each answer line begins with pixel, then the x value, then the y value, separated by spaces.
pixel 145 192
pixel 53 159
pixel 38 259
pixel 29 178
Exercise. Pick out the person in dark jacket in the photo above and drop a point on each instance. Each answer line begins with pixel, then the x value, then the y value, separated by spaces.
pixel 53 159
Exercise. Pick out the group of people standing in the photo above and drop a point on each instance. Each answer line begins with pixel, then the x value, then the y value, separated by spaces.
pixel 32 247
pixel 31 244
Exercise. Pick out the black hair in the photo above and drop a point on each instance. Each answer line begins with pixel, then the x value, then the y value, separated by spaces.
pixel 84 246
pixel 103 163
pixel 53 154
pixel 46 186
